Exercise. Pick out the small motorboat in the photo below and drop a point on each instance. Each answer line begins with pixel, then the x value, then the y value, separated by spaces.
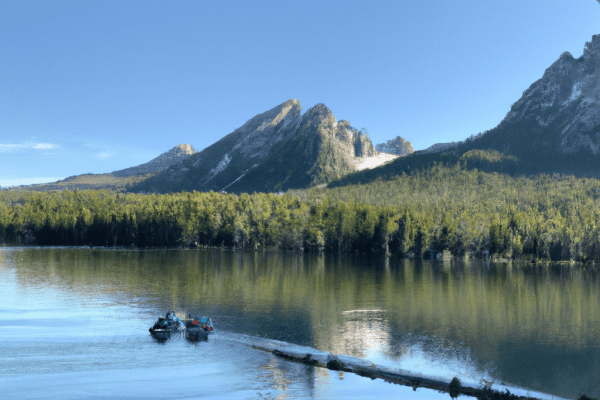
pixel 194 328
pixel 198 328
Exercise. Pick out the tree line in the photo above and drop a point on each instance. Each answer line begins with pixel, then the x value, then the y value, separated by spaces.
pixel 467 211
pixel 258 221
pixel 442 210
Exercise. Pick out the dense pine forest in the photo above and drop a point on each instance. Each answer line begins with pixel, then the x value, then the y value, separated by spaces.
pixel 467 211
pixel 438 211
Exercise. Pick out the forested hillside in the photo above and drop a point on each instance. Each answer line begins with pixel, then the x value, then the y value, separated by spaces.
pixel 486 213
pixel 461 211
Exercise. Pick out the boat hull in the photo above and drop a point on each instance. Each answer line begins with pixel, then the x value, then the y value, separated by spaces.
pixel 194 329
pixel 196 334
pixel 160 334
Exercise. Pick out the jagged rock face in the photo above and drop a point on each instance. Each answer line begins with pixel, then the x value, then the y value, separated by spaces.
pixel 227 160
pixel 398 146
pixel 273 151
pixel 330 148
pixel 359 144
pixel 262 132
pixel 173 156
pixel 561 111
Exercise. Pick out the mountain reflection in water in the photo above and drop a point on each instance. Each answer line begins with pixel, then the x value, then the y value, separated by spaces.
pixel 530 326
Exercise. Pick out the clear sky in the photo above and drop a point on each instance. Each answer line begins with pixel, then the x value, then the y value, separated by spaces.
pixel 100 85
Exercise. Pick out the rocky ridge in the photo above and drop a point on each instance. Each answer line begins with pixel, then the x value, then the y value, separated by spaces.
pixel 175 155
pixel 273 151
pixel 559 113
pixel 553 128
pixel 398 146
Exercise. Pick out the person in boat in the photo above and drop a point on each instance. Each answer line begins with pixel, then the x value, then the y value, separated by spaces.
pixel 204 323
pixel 170 323
pixel 173 320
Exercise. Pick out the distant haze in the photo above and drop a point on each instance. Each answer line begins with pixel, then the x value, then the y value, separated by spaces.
pixel 26 181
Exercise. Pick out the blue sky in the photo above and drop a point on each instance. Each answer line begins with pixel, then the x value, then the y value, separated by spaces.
pixel 97 86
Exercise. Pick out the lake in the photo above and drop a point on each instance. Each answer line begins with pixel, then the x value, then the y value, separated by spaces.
pixel 74 323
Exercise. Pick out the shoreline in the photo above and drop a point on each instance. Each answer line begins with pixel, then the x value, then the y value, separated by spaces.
pixel 519 261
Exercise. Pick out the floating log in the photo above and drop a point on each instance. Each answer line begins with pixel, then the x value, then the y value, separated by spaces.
pixel 310 356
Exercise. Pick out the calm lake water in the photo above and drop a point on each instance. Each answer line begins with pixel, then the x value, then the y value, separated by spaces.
pixel 74 323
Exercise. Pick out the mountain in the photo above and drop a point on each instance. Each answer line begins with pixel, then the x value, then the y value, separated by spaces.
pixel 553 128
pixel 175 155
pixel 555 125
pixel 122 179
pixel 563 106
pixel 274 151
pixel 398 146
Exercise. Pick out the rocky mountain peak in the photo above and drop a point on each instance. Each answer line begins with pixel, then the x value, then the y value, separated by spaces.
pixel 592 47
pixel 269 119
pixel 566 56
pixel 559 112
pixel 272 151
pixel 318 109
pixel 398 146
pixel 182 150
pixel 165 160
pixel 347 139
pixel 319 114
pixel 258 135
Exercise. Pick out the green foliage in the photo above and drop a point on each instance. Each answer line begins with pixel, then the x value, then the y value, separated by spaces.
pixel 454 387
pixel 470 212
pixel 489 161
pixel 102 218
pixel 91 181
pixel 427 214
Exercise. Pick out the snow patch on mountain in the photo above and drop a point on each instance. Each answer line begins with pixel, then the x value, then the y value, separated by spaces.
pixel 221 165
pixel 362 163
pixel 575 93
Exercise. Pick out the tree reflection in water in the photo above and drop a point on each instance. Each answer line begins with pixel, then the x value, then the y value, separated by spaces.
pixel 522 324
